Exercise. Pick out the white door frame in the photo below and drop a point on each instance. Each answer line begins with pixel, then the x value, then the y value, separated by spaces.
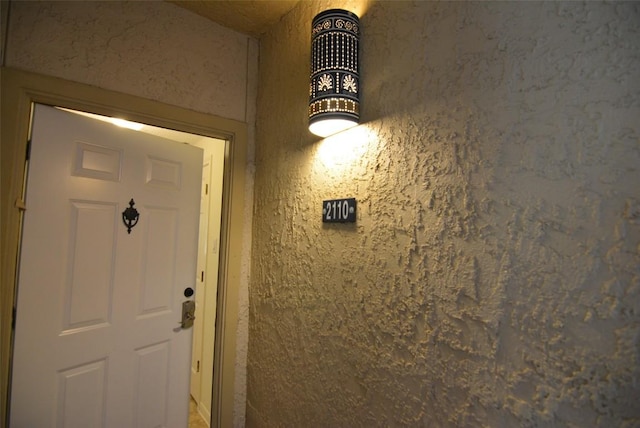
pixel 19 90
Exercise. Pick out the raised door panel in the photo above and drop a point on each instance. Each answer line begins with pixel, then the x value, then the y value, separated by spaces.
pixel 151 383
pixel 158 270
pixel 81 395
pixel 91 263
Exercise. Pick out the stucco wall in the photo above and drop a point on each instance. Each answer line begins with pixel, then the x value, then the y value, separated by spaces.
pixel 493 275
pixel 154 50
pixel 151 49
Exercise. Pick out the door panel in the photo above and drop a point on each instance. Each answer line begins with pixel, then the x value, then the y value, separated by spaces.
pixel 151 383
pixel 159 260
pixel 81 392
pixel 98 340
pixel 92 261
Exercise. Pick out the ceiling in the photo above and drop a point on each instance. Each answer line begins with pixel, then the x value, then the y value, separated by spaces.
pixel 253 17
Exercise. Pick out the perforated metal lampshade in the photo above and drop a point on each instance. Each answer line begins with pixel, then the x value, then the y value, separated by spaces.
pixel 334 101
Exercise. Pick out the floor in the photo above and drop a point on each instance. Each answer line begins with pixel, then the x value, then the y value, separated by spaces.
pixel 195 420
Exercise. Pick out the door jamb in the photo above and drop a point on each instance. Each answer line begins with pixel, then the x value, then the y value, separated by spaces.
pixel 19 90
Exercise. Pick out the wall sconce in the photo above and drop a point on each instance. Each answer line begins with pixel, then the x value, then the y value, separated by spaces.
pixel 334 99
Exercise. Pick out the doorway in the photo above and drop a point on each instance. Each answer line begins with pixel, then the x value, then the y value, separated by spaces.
pixel 19 90
pixel 206 274
pixel 107 266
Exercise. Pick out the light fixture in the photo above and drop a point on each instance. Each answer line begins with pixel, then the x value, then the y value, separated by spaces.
pixel 334 100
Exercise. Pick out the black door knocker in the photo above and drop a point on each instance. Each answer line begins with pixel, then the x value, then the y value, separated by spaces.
pixel 130 216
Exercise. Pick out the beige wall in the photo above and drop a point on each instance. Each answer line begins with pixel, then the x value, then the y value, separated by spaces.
pixel 150 49
pixel 154 50
pixel 492 278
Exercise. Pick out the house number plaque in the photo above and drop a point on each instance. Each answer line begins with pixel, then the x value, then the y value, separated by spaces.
pixel 339 211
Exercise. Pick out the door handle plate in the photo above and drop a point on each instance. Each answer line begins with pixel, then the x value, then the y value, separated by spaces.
pixel 188 313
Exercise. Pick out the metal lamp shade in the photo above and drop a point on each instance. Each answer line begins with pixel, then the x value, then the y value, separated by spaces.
pixel 334 102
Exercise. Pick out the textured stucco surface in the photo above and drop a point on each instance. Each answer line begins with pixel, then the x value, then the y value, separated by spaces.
pixel 493 275
pixel 151 49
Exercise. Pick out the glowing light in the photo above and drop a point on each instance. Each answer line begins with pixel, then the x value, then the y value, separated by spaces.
pixel 345 150
pixel 327 127
pixel 126 124
pixel 114 121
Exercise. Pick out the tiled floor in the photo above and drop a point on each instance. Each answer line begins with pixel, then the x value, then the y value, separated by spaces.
pixel 195 420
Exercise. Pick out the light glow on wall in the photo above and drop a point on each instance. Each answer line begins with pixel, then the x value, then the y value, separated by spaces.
pixel 341 153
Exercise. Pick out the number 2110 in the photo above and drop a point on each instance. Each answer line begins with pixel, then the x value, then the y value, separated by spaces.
pixel 337 210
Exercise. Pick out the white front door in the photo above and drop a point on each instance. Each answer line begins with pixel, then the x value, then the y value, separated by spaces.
pixel 98 341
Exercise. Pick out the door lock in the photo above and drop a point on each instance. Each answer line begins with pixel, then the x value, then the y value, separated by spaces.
pixel 188 313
